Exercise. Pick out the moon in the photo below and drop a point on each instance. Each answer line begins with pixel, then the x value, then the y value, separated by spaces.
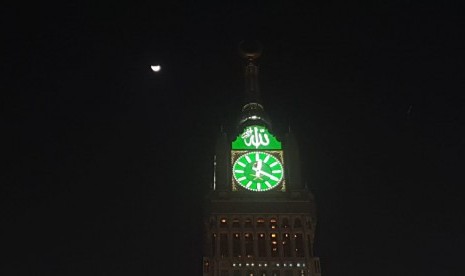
pixel 155 68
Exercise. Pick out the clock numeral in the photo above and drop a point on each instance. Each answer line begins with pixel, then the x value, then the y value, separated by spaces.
pixel 268 184
pixel 266 159
pixel 241 164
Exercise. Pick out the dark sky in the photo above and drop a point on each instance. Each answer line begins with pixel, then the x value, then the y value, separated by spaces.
pixel 106 163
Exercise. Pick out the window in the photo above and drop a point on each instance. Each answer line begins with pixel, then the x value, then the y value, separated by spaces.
pixel 261 245
pixel 236 223
pixel 213 244
pixel 309 244
pixel 224 248
pixel 287 245
pixel 223 223
pixel 274 245
pixel 299 245
pixel 285 223
pixel 260 223
pixel 236 245
pixel 248 239
pixel 248 223
pixel 309 223
pixel 273 223
pixel 206 266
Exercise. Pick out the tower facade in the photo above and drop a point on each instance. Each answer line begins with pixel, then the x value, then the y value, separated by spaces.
pixel 260 218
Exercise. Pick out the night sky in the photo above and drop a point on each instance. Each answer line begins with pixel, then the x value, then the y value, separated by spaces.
pixel 106 162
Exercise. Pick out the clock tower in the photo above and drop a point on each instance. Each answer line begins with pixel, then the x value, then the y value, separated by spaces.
pixel 259 218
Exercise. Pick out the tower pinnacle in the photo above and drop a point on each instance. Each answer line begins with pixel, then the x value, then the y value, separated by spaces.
pixel 251 51
pixel 252 111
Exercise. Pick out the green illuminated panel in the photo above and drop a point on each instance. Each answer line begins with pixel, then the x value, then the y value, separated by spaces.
pixel 256 138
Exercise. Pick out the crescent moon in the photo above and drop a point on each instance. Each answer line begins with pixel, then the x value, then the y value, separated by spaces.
pixel 250 49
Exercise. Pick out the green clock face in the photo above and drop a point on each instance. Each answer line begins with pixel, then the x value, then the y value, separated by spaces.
pixel 258 171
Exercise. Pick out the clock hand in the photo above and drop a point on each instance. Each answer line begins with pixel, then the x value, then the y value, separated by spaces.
pixel 258 168
pixel 269 175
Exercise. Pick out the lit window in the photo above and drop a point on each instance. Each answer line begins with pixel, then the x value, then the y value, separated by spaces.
pixel 274 245
pixel 273 223
pixel 224 222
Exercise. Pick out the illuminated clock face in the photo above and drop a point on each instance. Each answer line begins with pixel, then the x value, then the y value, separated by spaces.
pixel 258 171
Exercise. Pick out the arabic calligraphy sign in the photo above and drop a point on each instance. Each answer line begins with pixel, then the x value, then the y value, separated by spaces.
pixel 256 137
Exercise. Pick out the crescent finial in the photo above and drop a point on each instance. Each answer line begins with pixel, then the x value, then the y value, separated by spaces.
pixel 250 49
